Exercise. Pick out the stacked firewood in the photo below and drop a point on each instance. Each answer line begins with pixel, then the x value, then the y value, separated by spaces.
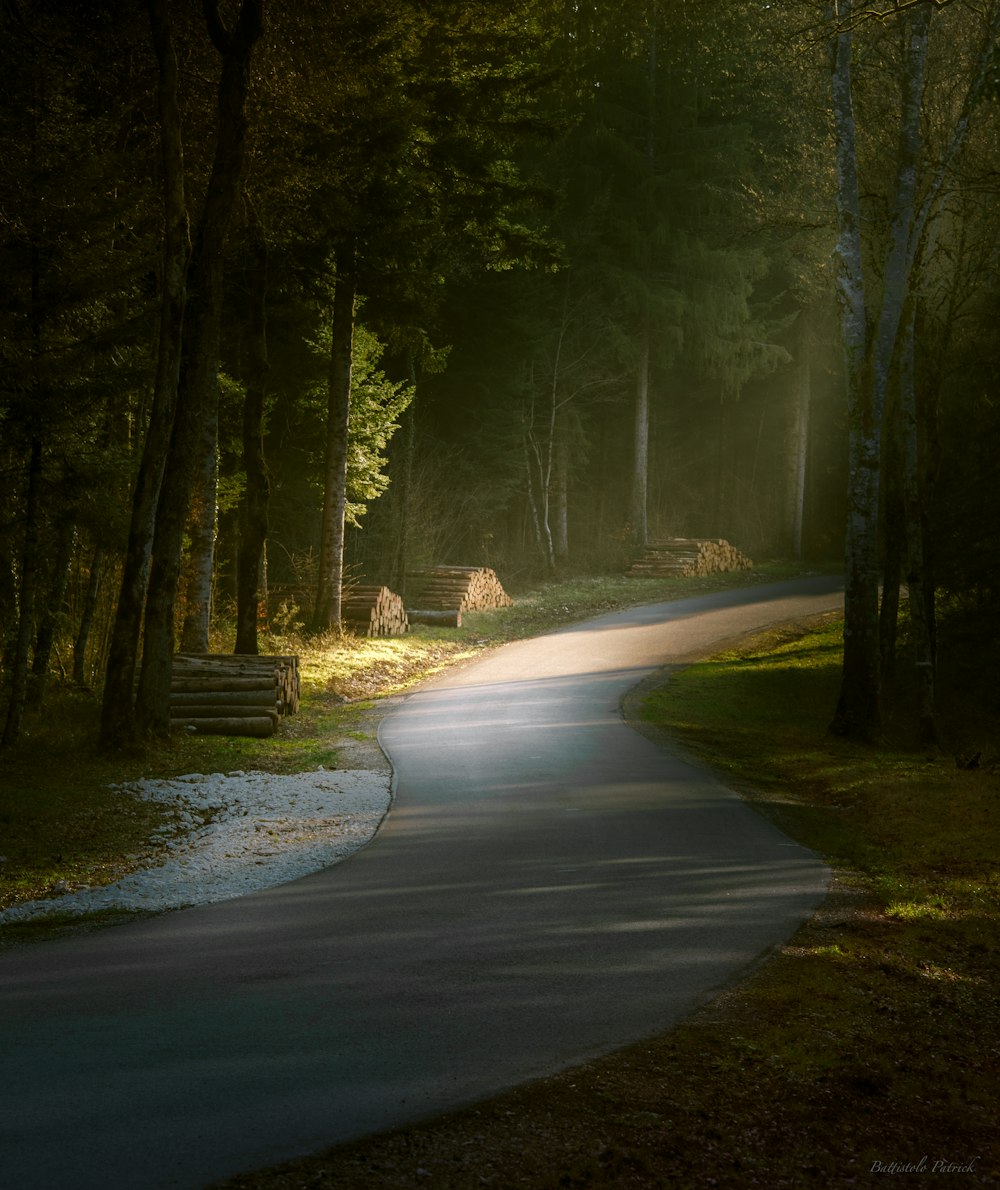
pixel 232 693
pixel 454 589
pixel 687 557
pixel 374 611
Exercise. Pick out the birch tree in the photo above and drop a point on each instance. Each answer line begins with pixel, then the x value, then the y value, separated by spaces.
pixel 876 280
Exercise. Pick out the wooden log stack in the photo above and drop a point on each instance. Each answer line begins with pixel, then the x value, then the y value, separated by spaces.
pixel 455 589
pixel 233 693
pixel 374 611
pixel 687 557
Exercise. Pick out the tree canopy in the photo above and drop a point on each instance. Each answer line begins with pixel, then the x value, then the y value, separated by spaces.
pixel 565 276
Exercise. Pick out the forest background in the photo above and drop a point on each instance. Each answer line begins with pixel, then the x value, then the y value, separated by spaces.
pixel 292 298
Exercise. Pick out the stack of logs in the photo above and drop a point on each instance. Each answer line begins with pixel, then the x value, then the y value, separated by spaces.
pixel 687 557
pixel 232 693
pixel 374 611
pixel 439 594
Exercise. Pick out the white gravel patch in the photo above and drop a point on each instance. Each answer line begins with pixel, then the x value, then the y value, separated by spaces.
pixel 232 834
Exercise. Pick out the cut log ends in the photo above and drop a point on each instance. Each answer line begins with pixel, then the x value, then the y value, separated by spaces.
pixel 233 693
pixel 374 611
pixel 447 588
pixel 687 557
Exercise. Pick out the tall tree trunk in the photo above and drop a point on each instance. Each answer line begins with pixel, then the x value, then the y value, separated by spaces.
pixel 26 598
pixel 331 558
pixel 52 614
pixel 640 445
pixel 198 389
pixel 858 712
pixel 893 543
pixel 797 449
pixel 536 522
pixel 403 486
pixel 920 590
pixel 723 477
pixel 117 724
pixel 562 494
pixel 253 510
pixel 202 529
pixel 87 616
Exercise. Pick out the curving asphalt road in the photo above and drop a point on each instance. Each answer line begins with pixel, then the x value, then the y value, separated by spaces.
pixel 548 886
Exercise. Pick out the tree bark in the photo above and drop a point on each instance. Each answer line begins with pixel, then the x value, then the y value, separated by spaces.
pixel 202 529
pixel 117 723
pixel 253 511
pixel 331 559
pixel 403 485
pixel 27 597
pixel 797 451
pixel 198 389
pixel 52 613
pixel 920 590
pixel 870 361
pixel 561 494
pixel 640 445
pixel 87 616
pixel 857 711
pixel 893 542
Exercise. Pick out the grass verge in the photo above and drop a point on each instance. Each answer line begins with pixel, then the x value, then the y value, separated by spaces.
pixel 867 1046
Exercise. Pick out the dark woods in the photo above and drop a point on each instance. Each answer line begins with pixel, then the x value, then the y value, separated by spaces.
pixel 295 299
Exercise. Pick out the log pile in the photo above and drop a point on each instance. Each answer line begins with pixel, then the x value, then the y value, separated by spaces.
pixel 232 693
pixel 374 611
pixel 687 557
pixel 455 589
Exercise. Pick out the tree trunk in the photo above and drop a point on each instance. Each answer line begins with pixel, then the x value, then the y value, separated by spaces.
pixel 640 446
pixel 893 539
pixel 331 559
pixel 198 389
pixel 253 511
pixel 52 614
pixel 29 579
pixel 201 531
pixel 117 725
pixel 858 711
pixel 562 495
pixel 921 594
pixel 797 451
pixel 403 484
pixel 87 617
pixel 536 523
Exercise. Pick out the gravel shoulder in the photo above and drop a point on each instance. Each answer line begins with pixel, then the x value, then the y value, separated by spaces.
pixel 229 834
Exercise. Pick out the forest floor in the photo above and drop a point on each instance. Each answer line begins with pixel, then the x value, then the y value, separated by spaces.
pixel 868 1045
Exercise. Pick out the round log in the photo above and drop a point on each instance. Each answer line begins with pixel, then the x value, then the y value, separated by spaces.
pixel 259 726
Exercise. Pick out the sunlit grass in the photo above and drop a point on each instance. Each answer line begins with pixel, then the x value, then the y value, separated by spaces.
pixel 881 1008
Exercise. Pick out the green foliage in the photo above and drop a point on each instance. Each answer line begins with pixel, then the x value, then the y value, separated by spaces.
pixel 377 404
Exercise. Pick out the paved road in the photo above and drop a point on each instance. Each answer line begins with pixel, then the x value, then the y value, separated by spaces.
pixel 549 886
